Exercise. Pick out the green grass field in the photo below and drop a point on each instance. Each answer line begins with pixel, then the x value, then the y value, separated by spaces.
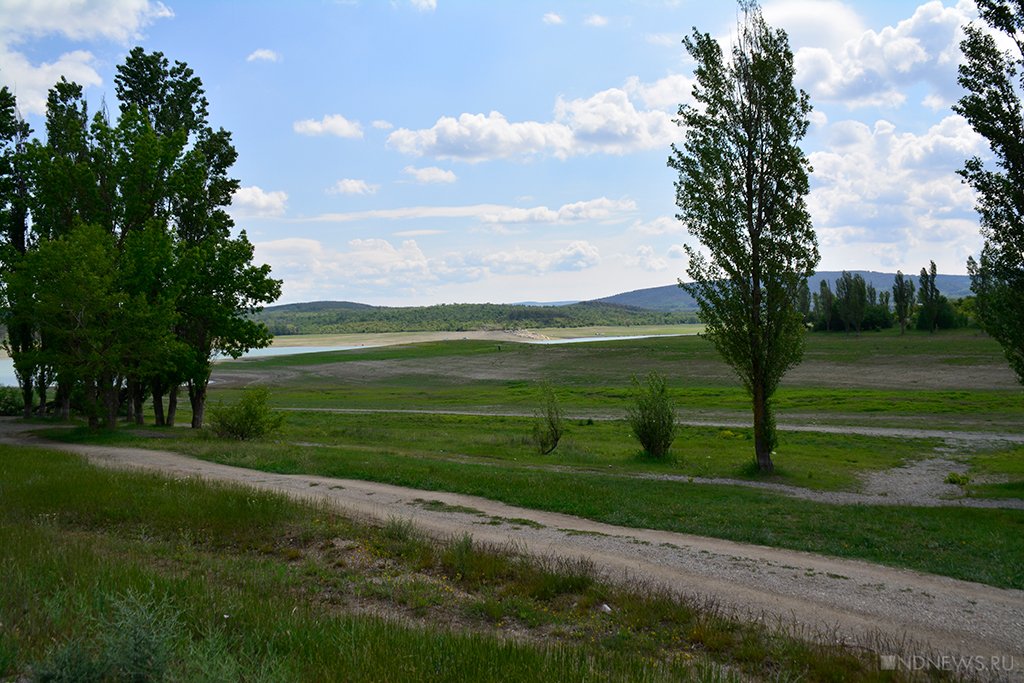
pixel 109 573
pixel 957 378
pixel 953 381
pixel 124 576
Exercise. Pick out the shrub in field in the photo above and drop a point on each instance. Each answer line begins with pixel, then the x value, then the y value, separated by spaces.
pixel 549 427
pixel 12 403
pixel 250 418
pixel 652 417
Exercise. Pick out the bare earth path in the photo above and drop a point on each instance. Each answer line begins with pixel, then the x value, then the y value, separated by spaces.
pixel 857 601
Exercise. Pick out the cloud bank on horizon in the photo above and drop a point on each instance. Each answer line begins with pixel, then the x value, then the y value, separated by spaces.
pixel 420 151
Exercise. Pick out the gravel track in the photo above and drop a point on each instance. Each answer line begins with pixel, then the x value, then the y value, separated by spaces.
pixel 892 610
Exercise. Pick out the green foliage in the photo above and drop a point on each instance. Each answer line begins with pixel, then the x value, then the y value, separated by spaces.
pixel 743 180
pixel 903 299
pixel 992 105
pixel 930 299
pixel 127 272
pixel 652 415
pixel 12 403
pixel 851 300
pixel 824 306
pixel 250 418
pixel 957 478
pixel 945 316
pixel 548 425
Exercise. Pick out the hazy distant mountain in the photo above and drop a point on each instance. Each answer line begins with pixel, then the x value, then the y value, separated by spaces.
pixel 674 298
pixel 627 308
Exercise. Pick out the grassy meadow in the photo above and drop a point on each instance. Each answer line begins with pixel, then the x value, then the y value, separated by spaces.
pixel 232 585
pixel 125 576
pixel 959 378
pixel 598 470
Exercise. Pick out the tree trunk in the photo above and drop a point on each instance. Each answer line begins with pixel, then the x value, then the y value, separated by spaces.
pixel 764 438
pixel 92 395
pixel 130 407
pixel 158 402
pixel 111 400
pixel 63 399
pixel 27 394
pixel 197 397
pixel 42 384
pixel 172 404
pixel 137 401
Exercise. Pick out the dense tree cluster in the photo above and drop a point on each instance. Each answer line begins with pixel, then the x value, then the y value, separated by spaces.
pixel 121 276
pixel 856 305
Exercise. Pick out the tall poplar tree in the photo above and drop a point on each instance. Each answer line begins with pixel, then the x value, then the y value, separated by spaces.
pixel 994 81
pixel 741 192
pixel 928 297
pixel 903 299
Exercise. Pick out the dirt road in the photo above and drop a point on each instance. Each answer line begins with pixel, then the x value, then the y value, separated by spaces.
pixel 861 603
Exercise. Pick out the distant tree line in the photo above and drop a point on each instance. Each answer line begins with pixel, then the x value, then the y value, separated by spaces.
pixel 349 318
pixel 121 278
pixel 855 305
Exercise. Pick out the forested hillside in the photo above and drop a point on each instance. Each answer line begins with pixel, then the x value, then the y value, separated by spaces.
pixel 342 317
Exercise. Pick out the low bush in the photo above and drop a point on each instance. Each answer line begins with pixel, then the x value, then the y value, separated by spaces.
pixel 12 402
pixel 652 417
pixel 250 418
pixel 549 427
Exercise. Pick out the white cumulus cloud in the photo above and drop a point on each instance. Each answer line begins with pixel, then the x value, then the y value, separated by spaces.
pixel 263 55
pixel 578 255
pixel 646 258
pixel 876 68
pixel 596 20
pixel 430 175
pixel 352 186
pixel 607 122
pixel 332 124
pixel 881 193
pixel 662 225
pixel 254 201
pixel 119 21
pixel 553 19
pixel 381 124
pixel 599 209
pixel 424 5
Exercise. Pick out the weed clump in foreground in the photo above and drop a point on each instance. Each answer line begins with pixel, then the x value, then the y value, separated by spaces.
pixel 250 418
pixel 652 417
pixel 135 643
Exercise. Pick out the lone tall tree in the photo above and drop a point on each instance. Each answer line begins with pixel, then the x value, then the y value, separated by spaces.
pixel 741 192
pixel 994 81
pixel 928 296
pixel 903 299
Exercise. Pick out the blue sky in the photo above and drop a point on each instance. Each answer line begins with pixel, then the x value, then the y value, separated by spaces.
pixel 426 151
